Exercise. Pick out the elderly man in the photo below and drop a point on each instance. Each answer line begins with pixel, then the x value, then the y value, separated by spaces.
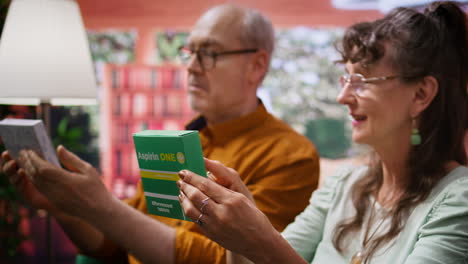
pixel 227 55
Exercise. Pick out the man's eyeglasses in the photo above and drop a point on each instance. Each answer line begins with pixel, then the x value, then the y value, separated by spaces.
pixel 358 82
pixel 207 59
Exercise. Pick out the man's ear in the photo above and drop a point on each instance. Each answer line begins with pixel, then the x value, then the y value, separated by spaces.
pixel 425 93
pixel 259 67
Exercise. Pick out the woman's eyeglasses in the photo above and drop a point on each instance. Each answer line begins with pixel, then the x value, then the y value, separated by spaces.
pixel 358 82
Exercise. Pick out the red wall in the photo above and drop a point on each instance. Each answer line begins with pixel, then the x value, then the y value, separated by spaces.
pixel 183 13
pixel 147 15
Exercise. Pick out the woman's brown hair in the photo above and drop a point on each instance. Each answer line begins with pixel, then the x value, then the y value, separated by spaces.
pixel 432 43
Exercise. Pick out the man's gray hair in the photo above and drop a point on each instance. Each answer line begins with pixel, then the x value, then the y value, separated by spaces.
pixel 257 31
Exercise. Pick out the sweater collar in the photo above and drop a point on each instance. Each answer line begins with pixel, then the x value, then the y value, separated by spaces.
pixel 227 130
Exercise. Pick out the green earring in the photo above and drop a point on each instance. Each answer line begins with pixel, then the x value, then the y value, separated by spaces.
pixel 415 137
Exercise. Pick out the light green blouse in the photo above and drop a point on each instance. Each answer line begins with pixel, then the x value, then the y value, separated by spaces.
pixel 435 232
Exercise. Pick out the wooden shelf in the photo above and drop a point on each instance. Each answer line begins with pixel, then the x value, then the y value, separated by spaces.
pixel 137 97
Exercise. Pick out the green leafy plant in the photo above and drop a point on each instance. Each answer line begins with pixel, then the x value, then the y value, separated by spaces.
pixel 303 83
pixel 68 136
pixel 75 127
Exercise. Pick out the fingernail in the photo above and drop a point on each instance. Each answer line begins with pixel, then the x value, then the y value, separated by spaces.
pixel 178 183
pixel 182 174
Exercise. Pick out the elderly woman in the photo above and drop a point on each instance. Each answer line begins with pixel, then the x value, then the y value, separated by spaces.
pixel 406 91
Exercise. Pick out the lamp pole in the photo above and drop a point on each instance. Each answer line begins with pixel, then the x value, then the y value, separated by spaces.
pixel 44 114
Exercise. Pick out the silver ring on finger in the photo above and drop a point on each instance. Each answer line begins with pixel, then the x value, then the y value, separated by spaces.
pixel 203 204
pixel 199 221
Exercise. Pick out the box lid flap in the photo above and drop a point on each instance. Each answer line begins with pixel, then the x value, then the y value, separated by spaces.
pixel 164 133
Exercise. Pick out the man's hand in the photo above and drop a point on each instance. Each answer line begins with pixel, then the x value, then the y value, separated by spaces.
pixel 17 177
pixel 76 192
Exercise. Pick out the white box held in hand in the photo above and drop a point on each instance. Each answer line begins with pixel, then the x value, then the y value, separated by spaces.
pixel 18 134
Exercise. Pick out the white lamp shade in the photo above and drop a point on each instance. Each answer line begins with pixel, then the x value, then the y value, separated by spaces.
pixel 44 52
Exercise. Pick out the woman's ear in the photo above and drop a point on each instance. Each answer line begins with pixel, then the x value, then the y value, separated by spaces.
pixel 425 92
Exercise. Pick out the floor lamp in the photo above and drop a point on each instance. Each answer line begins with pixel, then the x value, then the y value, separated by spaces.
pixel 45 60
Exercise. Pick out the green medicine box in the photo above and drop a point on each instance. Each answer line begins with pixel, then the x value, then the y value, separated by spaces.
pixel 161 155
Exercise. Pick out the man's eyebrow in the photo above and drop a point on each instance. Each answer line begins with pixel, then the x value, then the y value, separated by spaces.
pixel 206 43
pixel 210 41
pixel 211 44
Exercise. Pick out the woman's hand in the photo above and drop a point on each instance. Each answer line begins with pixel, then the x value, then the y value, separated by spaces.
pixel 226 216
pixel 227 177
